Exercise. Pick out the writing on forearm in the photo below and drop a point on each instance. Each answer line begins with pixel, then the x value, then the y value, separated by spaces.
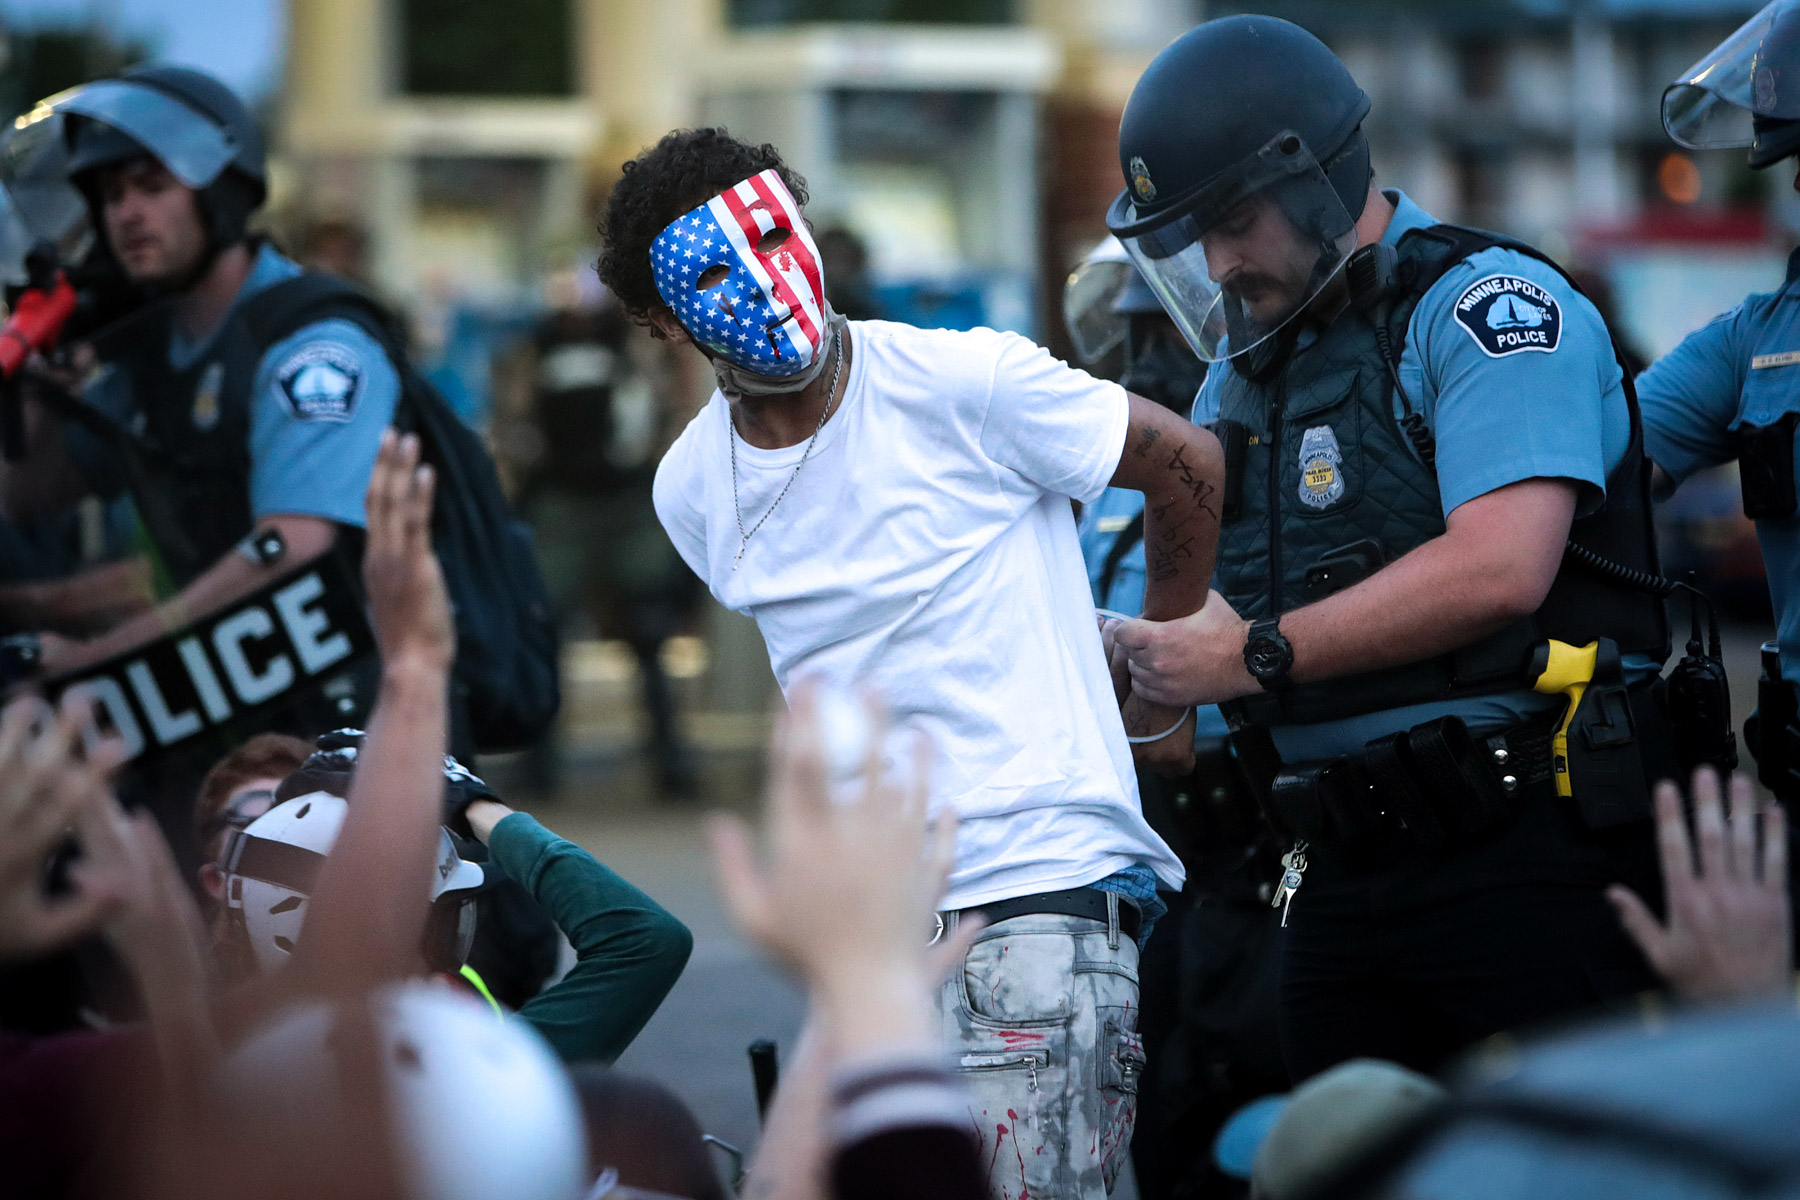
pixel 1177 466
pixel 1199 490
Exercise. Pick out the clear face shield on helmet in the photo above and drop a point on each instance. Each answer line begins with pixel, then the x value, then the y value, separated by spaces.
pixel 192 146
pixel 38 204
pixel 1095 326
pixel 1249 251
pixel 1753 73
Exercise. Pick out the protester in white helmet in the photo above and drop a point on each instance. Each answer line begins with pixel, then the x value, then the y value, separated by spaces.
pixel 411 1087
pixel 629 950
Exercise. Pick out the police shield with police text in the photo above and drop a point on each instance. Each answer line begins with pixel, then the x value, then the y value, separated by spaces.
pixel 1435 480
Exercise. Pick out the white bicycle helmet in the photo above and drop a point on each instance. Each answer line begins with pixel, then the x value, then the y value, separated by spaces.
pixel 480 1108
pixel 270 868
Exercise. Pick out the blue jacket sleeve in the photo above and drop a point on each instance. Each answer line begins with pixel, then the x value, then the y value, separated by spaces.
pixel 628 950
pixel 323 397
pixel 1515 374
pixel 1689 397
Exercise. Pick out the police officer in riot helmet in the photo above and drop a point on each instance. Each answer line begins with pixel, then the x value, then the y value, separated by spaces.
pixel 1728 391
pixel 243 408
pixel 1436 499
pixel 278 444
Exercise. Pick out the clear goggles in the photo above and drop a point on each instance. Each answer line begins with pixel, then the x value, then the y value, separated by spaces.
pixel 1246 253
pixel 1094 287
pixel 1753 73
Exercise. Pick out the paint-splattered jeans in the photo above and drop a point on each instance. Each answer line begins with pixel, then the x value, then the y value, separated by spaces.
pixel 1042 1020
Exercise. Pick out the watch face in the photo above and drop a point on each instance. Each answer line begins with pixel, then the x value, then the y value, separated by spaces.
pixel 1267 656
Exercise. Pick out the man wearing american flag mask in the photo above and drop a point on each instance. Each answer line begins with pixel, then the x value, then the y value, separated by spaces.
pixel 891 504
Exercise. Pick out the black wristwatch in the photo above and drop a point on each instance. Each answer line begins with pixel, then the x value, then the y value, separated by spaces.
pixel 1267 655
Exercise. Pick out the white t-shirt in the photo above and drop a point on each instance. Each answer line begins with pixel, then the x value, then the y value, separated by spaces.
pixel 927 550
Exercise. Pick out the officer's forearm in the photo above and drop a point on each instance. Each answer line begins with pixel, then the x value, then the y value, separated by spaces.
pixel 94 598
pixel 1179 467
pixel 1494 564
pixel 231 578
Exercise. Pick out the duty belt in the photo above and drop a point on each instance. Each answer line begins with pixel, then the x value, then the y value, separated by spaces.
pixel 1429 787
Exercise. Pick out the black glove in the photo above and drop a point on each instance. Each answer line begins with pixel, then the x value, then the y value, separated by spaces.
pixel 331 766
pixel 462 787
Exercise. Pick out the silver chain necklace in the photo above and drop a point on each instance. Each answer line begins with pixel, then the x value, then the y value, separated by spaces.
pixel 737 508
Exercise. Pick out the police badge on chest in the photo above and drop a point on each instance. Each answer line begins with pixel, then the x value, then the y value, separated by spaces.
pixel 1321 468
pixel 205 413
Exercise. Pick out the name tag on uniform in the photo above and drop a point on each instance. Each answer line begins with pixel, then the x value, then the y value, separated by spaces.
pixel 1786 358
pixel 1112 524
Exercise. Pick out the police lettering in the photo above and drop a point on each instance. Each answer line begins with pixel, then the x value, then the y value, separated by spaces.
pixel 217 670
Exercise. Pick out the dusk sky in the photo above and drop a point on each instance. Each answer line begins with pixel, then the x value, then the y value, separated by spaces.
pixel 237 40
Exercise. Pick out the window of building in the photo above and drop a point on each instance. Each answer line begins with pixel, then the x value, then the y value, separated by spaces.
pixel 1480 68
pixel 479 48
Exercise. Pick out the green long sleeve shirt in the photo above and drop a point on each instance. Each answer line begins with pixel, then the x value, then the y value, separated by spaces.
pixel 628 950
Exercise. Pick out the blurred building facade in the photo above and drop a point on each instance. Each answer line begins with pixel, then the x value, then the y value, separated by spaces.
pixel 969 143
pixel 929 139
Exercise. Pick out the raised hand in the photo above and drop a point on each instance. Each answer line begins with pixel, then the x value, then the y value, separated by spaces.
pixel 46 787
pixel 847 897
pixel 1730 926
pixel 408 602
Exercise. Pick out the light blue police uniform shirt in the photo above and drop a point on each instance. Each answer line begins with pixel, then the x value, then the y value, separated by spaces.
pixel 1498 419
pixel 321 399
pixel 1742 369
pixel 1101 523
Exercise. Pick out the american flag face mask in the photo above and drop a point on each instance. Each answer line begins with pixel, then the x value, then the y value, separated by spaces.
pixel 741 274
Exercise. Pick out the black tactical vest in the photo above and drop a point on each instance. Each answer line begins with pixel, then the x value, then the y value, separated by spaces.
pixel 1325 487
pixel 188 459
pixel 186 450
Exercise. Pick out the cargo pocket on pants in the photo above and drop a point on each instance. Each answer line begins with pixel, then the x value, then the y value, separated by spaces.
pixel 1120 1063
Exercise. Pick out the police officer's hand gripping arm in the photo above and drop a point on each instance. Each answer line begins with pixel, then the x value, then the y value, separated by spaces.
pixel 1493 564
pixel 1179 467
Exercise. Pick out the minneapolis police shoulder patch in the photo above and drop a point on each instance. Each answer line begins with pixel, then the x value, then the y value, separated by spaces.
pixel 1506 314
pixel 319 381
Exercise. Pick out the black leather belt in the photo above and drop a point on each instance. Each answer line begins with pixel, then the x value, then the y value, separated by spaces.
pixel 1070 902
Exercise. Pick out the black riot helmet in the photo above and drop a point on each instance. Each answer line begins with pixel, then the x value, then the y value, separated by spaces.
pixel 1240 116
pixel 1745 92
pixel 192 124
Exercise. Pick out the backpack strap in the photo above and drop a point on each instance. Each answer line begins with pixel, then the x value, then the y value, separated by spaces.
pixel 285 308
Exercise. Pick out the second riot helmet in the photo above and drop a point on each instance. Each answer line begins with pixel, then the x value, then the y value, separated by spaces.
pixel 1745 92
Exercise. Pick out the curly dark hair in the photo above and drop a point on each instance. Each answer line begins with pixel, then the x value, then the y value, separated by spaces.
pixel 680 173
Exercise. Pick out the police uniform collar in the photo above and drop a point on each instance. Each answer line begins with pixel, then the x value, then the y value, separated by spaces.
pixel 1407 217
pixel 1793 268
pixel 268 267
